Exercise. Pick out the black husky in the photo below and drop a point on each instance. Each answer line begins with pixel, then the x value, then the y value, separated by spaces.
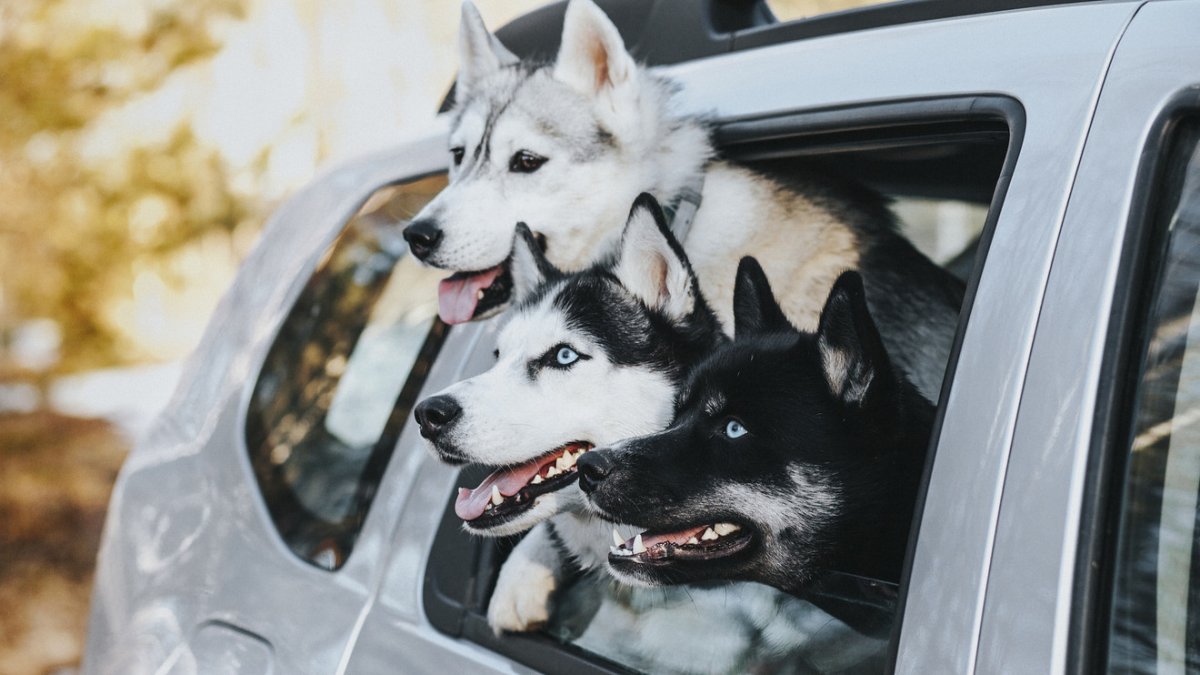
pixel 791 454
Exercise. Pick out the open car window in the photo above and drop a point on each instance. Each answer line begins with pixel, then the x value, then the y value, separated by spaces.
pixel 944 176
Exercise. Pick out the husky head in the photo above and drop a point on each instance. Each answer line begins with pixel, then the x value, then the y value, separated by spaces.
pixel 562 147
pixel 790 454
pixel 586 359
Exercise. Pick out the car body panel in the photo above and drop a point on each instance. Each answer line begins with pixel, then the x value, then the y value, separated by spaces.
pixel 1032 571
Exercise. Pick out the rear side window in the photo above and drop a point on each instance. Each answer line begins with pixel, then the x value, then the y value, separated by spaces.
pixel 1155 612
pixel 338 382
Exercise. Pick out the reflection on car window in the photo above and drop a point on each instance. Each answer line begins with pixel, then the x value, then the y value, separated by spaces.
pixel 1155 622
pixel 730 628
pixel 336 386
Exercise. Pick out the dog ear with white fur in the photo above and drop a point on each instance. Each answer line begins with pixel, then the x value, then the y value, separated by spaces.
pixel 593 60
pixel 652 265
pixel 755 309
pixel 529 267
pixel 852 353
pixel 479 52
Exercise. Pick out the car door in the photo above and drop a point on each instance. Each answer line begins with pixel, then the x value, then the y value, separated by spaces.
pixel 1052 567
pixel 1049 62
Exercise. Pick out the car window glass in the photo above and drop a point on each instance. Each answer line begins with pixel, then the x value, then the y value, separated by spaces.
pixel 336 385
pixel 1155 616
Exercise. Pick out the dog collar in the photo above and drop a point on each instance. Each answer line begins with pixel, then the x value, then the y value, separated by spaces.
pixel 682 211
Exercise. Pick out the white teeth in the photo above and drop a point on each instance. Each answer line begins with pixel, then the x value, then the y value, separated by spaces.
pixel 497 498
pixel 552 472
pixel 537 478
pixel 723 529
pixel 479 294
pixel 568 460
pixel 613 550
pixel 638 546
pixel 709 535
pixel 617 539
pixel 693 541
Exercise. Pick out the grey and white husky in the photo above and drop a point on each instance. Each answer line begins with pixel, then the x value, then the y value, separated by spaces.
pixel 565 147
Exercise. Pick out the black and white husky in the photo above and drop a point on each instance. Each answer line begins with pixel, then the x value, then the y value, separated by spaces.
pixel 565 147
pixel 791 454
pixel 586 359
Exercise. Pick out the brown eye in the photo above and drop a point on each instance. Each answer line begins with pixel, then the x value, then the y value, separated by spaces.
pixel 457 153
pixel 525 162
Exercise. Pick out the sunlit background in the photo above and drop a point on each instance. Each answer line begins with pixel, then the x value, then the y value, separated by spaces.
pixel 142 144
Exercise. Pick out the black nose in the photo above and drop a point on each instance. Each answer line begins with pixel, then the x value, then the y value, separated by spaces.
pixel 593 467
pixel 436 413
pixel 422 237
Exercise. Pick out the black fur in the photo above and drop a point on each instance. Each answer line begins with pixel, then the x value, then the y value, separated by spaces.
pixel 824 480
pixel 595 303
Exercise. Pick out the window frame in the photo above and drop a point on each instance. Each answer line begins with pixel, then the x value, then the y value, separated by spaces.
pixel 1126 340
pixel 454 602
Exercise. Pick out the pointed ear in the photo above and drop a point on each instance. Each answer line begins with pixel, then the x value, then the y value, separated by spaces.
pixel 754 307
pixel 852 353
pixel 592 57
pixel 529 267
pixel 651 263
pixel 479 52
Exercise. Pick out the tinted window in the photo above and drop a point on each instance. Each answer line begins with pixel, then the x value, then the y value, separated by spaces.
pixel 1155 622
pixel 338 382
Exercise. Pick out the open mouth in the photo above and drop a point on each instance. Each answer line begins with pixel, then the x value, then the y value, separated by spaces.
pixel 507 493
pixel 463 296
pixel 701 543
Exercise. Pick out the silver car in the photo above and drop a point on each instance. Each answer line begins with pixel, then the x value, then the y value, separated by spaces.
pixel 283 517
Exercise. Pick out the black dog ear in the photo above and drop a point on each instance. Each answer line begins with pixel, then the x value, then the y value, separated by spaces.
pixel 651 263
pixel 529 267
pixel 852 352
pixel 754 307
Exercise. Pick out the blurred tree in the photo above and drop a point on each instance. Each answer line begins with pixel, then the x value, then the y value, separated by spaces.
pixel 74 237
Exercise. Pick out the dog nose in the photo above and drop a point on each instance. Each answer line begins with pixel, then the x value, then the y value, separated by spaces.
pixel 436 413
pixel 422 237
pixel 593 468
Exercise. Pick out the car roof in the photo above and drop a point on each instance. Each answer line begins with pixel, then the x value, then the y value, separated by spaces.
pixel 666 32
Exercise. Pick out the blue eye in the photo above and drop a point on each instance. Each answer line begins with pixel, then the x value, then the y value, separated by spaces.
pixel 566 356
pixel 734 429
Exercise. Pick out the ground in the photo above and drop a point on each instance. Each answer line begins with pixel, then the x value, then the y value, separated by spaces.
pixel 56 474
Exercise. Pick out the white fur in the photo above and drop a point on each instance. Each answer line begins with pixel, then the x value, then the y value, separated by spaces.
pixel 521 601
pixel 479 52
pixel 650 270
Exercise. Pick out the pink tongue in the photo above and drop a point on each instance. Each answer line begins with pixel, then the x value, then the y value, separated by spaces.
pixel 457 296
pixel 471 503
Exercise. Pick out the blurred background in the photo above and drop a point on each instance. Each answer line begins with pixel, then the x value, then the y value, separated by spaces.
pixel 142 145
